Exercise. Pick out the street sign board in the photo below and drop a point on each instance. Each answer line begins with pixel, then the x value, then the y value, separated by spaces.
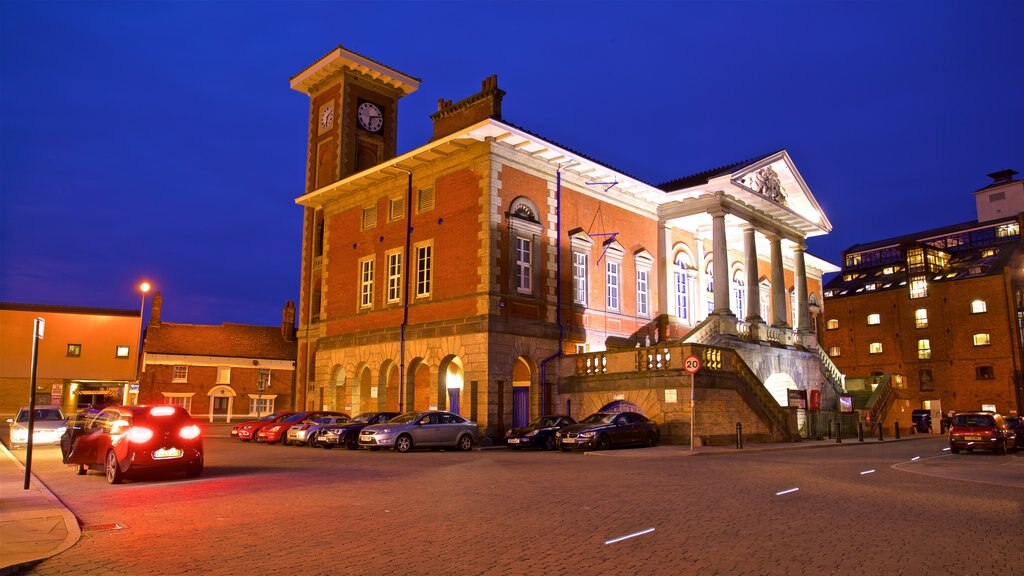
pixel 691 364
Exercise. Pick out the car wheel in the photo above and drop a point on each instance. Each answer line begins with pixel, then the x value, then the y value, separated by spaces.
pixel 652 439
pixel 351 442
pixel 465 443
pixel 604 442
pixel 194 470
pixel 112 469
pixel 284 441
pixel 549 443
pixel 403 443
pixel 82 470
pixel 313 442
pixel 955 450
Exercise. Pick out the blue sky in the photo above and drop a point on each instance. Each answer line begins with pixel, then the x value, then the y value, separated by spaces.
pixel 161 140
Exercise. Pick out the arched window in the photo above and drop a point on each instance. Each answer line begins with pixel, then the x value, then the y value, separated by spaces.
pixel 739 292
pixel 681 274
pixel 525 230
pixel 765 295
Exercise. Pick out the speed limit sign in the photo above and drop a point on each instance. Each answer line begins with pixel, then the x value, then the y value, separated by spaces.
pixel 691 364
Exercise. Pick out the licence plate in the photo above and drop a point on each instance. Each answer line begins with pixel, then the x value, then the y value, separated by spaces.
pixel 973 438
pixel 367 438
pixel 513 440
pixel 163 453
pixel 568 440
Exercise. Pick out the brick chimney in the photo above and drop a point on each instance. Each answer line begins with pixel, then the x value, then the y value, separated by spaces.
pixel 450 118
pixel 288 322
pixel 154 316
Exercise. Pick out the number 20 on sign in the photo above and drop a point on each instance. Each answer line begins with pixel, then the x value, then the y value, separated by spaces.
pixel 691 364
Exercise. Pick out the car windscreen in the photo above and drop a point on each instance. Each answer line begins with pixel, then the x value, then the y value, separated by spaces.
pixel 973 420
pixel 364 418
pixel 405 418
pixel 544 422
pixel 271 416
pixel 598 418
pixel 298 417
pixel 42 415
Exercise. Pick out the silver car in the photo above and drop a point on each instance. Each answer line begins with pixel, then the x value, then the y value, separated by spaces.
pixel 423 429
pixel 48 427
pixel 307 432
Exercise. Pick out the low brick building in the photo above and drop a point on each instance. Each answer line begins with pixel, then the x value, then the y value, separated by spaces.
pixel 219 373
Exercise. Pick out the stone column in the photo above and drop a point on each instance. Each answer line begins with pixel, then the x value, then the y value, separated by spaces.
pixel 803 313
pixel 778 295
pixel 666 293
pixel 720 254
pixel 753 286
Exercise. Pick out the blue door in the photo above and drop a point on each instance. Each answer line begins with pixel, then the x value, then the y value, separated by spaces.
pixel 453 400
pixel 520 406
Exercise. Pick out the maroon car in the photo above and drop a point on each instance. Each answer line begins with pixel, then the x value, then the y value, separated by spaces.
pixel 275 432
pixel 980 431
pixel 246 431
pixel 127 440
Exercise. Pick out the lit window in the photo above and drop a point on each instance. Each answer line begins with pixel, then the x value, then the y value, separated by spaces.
pixel 921 318
pixel 982 339
pixel 180 374
pixel 988 253
pixel 832 324
pixel 828 293
pixel 978 306
pixel 871 287
pixel 984 372
pixel 366 283
pixel 875 348
pixel 74 350
pixel 874 319
pixel 424 254
pixel 121 352
pixel 394 277
pixel 642 307
pixel 888 270
pixel 988 407
pixel 834 351
pixel 612 285
pixel 919 287
pixel 524 265
pixel 579 277
pixel 924 349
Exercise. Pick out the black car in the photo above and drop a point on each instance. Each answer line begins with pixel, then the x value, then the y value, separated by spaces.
pixel 347 433
pixel 537 434
pixel 922 420
pixel 604 430
pixel 1016 423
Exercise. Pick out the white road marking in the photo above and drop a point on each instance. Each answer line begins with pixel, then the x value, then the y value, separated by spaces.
pixel 786 491
pixel 621 538
pixel 872 471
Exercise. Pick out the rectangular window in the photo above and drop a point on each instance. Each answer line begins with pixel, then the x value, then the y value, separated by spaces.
pixel 875 348
pixel 183 401
pixel 366 283
pixel 982 339
pixel 579 277
pixel 223 375
pixel 919 287
pixel 834 351
pixel 984 373
pixel 924 349
pixel 642 308
pixel 978 307
pixel 921 318
pixel 369 217
pixel 424 254
pixel 524 265
pixel 74 350
pixel 682 296
pixel 832 324
pixel 925 377
pixel 180 374
pixel 263 379
pixel 425 200
pixel 874 319
pixel 396 209
pixel 121 351
pixel 261 405
pixel 394 277
pixel 612 285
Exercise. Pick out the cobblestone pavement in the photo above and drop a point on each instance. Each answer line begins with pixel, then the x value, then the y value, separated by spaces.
pixel 296 510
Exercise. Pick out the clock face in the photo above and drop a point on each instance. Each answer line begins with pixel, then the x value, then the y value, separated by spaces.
pixel 326 116
pixel 370 117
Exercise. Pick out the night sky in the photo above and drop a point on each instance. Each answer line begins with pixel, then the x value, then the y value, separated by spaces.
pixel 162 141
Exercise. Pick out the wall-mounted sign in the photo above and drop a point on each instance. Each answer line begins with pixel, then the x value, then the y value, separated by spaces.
pixel 846 404
pixel 670 395
pixel 797 398
pixel 814 399
pixel 56 392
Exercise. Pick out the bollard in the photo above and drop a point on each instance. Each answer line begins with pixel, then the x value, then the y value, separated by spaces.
pixel 839 432
pixel 739 435
pixel 860 431
pixel 896 425
pixel 829 429
pixel 881 428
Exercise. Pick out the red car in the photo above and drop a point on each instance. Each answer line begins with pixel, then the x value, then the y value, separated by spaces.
pixel 981 431
pixel 275 432
pixel 247 430
pixel 126 440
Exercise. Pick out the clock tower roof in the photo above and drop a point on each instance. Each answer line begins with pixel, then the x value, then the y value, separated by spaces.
pixel 341 58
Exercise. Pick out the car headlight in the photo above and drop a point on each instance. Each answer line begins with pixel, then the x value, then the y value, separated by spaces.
pixel 532 433
pixel 380 431
pixel 274 429
pixel 508 434
pixel 586 434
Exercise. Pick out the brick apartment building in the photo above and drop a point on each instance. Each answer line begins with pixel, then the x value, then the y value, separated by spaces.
pixel 501 275
pixel 940 310
pixel 219 373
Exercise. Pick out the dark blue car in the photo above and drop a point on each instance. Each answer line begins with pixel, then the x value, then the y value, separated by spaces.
pixel 537 434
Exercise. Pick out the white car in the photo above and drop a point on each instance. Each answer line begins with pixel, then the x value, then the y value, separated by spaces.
pixel 307 432
pixel 48 427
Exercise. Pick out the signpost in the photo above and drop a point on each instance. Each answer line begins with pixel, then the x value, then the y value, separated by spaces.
pixel 691 364
pixel 38 326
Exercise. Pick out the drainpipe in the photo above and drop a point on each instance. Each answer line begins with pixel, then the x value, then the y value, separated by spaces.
pixel 405 296
pixel 558 285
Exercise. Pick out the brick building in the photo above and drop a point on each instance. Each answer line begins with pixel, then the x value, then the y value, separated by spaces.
pixel 940 310
pixel 219 373
pixel 501 275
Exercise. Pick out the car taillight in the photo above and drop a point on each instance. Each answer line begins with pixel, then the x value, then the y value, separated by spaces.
pixel 139 435
pixel 190 432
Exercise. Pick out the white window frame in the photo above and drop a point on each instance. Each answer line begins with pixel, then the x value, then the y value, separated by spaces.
pixel 424 268
pixel 580 273
pixel 643 308
pixel 366 278
pixel 982 339
pixel 394 263
pixel 223 374
pixel 266 399
pixel 612 273
pixel 979 306
pixel 921 318
pixel 924 349
pixel 263 378
pixel 764 294
pixel 179 373
pixel 524 264
pixel 183 399
pixel 709 289
pixel 127 351
pixel 874 319
pixel 682 275
pixel 875 348
pixel 739 292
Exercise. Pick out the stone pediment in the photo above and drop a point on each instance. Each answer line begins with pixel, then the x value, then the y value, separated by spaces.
pixel 776 180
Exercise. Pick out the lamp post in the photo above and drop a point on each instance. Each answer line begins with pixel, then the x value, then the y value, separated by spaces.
pixel 144 287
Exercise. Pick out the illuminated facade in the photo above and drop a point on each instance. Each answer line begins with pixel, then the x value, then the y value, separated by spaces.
pixel 502 275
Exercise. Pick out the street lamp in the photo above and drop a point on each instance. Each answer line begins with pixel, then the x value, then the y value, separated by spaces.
pixel 144 287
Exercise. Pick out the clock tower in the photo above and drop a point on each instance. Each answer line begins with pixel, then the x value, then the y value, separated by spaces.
pixel 353 120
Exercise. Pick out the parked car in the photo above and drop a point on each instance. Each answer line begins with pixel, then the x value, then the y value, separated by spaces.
pixel 347 433
pixel 277 431
pixel 426 429
pixel 605 430
pixel 1016 423
pixel 921 420
pixel 126 440
pixel 981 431
pixel 537 434
pixel 48 426
pixel 246 431
pixel 306 432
